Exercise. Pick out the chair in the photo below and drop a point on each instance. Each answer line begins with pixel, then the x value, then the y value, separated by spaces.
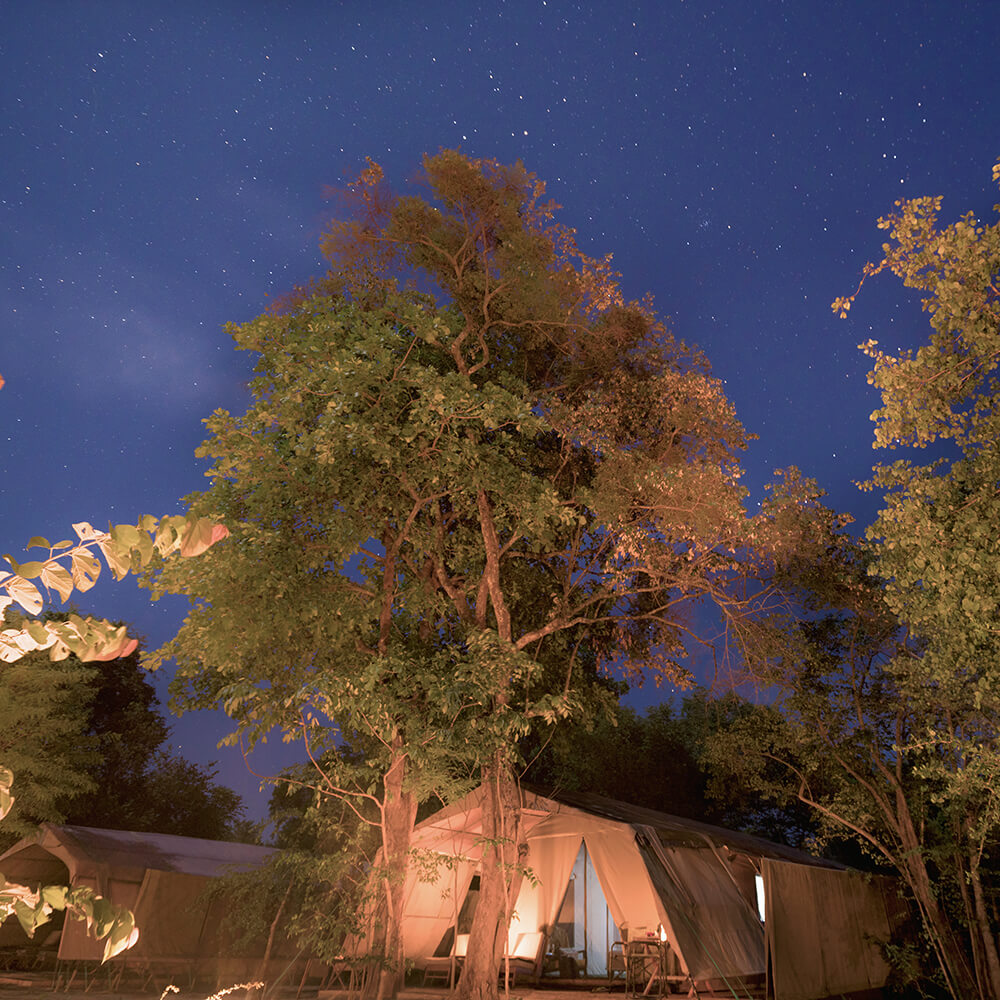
pixel 445 968
pixel 525 958
pixel 616 961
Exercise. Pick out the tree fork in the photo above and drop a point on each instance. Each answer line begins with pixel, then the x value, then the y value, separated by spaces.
pixel 504 853
pixel 399 810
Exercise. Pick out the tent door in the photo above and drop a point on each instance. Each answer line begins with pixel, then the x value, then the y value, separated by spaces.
pixel 584 924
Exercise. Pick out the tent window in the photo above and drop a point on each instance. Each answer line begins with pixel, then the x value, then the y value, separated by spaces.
pixel 469 905
pixel 565 936
pixel 443 950
pixel 759 883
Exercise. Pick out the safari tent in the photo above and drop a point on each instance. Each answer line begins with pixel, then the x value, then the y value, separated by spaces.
pixel 160 877
pixel 702 907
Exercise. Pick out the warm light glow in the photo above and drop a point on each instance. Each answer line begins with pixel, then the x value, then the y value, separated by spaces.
pixel 759 883
pixel 663 933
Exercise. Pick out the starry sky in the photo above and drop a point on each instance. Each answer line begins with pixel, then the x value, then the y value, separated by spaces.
pixel 163 167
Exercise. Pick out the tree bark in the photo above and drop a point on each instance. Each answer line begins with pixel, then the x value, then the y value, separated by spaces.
pixel 983 929
pixel 399 810
pixel 504 853
pixel 951 955
pixel 272 932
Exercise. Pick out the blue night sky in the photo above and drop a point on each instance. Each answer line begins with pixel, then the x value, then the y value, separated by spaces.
pixel 163 166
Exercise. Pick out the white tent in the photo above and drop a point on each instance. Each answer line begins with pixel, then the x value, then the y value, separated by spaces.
pixel 160 877
pixel 605 871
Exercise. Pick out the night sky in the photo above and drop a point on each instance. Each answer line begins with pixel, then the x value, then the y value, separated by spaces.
pixel 162 170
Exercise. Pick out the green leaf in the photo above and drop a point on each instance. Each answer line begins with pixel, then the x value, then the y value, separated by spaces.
pixel 29 570
pixel 122 935
pixel 85 568
pixel 125 535
pixel 26 594
pixel 37 631
pixel 58 578
pixel 200 536
pixel 117 556
pixel 54 896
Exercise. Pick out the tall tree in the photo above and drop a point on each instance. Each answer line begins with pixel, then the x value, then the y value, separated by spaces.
pixel 936 543
pixel 124 547
pixel 43 722
pixel 842 737
pixel 138 782
pixel 472 474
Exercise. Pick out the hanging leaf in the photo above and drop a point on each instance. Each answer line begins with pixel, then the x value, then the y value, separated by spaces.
pixel 59 579
pixel 26 594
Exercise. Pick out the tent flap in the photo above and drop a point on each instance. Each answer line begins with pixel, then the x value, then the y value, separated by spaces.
pixel 825 929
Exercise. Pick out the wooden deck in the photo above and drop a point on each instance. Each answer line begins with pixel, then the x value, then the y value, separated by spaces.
pixel 16 985
pixel 581 989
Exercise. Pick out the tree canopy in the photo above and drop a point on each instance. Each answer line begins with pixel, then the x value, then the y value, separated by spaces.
pixel 900 690
pixel 49 719
pixel 472 476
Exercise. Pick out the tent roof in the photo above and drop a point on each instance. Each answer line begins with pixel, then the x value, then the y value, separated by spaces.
pixel 84 850
pixel 459 826
pixel 676 829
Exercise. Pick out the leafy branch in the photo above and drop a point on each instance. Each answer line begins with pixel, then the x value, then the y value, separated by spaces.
pixel 74 566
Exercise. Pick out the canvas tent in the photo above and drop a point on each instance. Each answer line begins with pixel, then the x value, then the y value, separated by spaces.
pixel 732 909
pixel 159 877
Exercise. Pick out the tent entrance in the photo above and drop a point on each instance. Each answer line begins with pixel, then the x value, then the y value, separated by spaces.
pixel 584 926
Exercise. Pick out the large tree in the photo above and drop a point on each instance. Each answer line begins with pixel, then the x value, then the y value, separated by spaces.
pixel 846 735
pixel 471 475
pixel 936 545
pixel 43 722
pixel 71 566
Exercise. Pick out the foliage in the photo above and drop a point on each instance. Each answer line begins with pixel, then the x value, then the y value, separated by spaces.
pixel 43 738
pixel 87 743
pixel 124 548
pixel 473 476
pixel 73 566
pixel 318 879
pixel 140 781
pixel 935 547
pixel 183 798
pixel 668 760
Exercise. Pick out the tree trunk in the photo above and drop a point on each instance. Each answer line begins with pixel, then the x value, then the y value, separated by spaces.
pixel 951 955
pixel 978 954
pixel 399 810
pixel 504 852
pixel 272 932
pixel 984 931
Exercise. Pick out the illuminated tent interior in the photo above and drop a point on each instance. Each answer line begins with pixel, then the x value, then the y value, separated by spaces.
pixel 711 907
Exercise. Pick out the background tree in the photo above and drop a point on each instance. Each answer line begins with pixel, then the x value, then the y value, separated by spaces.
pixel 846 736
pixel 662 760
pixel 901 692
pixel 88 744
pixel 43 719
pixel 138 781
pixel 473 475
